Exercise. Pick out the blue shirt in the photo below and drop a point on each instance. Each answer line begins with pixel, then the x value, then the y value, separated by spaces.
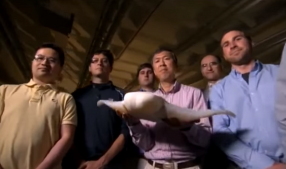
pixel 251 138
pixel 281 100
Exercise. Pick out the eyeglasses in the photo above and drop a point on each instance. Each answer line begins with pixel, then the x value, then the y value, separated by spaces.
pixel 41 58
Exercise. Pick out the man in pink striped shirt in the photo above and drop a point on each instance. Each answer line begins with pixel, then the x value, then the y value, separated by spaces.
pixel 165 146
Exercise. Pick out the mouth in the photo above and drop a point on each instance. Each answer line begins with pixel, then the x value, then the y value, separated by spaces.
pixel 44 69
pixel 235 52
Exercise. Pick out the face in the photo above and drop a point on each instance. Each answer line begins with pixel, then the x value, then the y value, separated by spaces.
pixel 146 77
pixel 99 66
pixel 236 47
pixel 164 67
pixel 46 65
pixel 210 68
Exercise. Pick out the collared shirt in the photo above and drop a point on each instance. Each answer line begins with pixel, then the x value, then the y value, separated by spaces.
pixel 161 143
pixel 280 106
pixel 31 116
pixel 250 139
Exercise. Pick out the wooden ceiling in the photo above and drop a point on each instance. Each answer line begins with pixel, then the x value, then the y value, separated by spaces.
pixel 132 30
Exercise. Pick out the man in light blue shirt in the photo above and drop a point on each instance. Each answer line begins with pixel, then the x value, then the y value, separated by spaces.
pixel 280 106
pixel 251 138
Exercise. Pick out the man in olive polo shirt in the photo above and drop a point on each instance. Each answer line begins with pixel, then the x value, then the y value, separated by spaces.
pixel 37 121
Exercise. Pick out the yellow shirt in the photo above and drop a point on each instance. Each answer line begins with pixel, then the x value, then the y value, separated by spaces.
pixel 31 116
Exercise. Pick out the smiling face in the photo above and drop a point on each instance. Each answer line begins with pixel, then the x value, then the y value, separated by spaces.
pixel 211 68
pixel 164 66
pixel 236 47
pixel 46 65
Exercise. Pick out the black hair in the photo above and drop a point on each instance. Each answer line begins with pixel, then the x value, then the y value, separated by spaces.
pixel 248 37
pixel 216 56
pixel 107 53
pixel 142 66
pixel 57 49
pixel 164 49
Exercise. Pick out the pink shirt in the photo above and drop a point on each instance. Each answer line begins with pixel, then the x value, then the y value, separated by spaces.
pixel 162 143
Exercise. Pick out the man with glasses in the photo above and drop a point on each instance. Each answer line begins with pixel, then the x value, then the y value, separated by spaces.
pixel 37 121
pixel 211 70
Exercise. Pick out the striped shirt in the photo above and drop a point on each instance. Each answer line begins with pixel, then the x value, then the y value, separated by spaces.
pixel 162 143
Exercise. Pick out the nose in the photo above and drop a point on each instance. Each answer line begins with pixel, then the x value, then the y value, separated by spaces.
pixel 45 62
pixel 209 67
pixel 232 45
pixel 162 63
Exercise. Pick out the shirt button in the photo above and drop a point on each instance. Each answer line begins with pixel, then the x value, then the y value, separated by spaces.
pixel 256 109
pixel 252 93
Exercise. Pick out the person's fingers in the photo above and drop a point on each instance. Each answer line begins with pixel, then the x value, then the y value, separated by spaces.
pixel 82 166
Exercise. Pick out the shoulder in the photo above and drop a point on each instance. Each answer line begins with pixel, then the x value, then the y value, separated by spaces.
pixel 65 98
pixel 120 91
pixel 80 91
pixel 273 69
pixel 11 88
pixel 190 90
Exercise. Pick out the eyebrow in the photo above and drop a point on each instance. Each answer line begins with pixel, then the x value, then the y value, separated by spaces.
pixel 232 38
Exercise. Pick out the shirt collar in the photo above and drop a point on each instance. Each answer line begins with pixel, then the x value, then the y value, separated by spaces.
pixel 256 69
pixel 32 83
pixel 176 87
pixel 210 85
pixel 142 90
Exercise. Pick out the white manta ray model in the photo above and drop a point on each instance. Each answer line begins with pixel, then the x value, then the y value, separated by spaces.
pixel 145 105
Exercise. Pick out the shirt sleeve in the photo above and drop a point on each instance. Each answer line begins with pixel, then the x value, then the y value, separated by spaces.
pixel 70 115
pixel 1 101
pixel 237 151
pixel 280 106
pixel 200 133
pixel 142 135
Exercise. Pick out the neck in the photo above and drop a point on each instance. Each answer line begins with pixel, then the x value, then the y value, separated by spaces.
pixel 147 88
pixel 98 80
pixel 167 86
pixel 246 68
pixel 212 82
pixel 41 82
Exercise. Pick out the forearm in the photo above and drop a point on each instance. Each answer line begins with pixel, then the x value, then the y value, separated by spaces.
pixel 199 135
pixel 142 136
pixel 240 153
pixel 57 153
pixel 115 148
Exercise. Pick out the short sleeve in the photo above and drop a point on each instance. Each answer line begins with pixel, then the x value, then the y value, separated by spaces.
pixel 1 101
pixel 70 115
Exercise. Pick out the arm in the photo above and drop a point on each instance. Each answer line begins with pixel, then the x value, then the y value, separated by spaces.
pixel 141 135
pixel 1 101
pixel 280 107
pixel 199 133
pixel 234 148
pixel 62 146
pixel 117 145
pixel 115 148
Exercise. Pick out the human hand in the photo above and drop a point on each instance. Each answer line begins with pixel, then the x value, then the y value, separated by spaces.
pixel 278 166
pixel 130 120
pixel 1 167
pixel 97 164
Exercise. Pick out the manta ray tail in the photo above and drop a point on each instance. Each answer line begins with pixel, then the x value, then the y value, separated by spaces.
pixel 115 105
pixel 188 115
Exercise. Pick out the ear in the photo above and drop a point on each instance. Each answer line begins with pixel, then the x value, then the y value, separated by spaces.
pixel 89 68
